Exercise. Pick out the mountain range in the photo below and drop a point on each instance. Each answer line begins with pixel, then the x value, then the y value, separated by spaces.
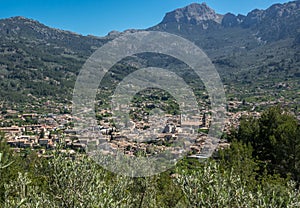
pixel 255 54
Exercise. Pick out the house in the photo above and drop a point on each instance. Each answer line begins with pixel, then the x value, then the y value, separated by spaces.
pixel 12 129
pixel 45 142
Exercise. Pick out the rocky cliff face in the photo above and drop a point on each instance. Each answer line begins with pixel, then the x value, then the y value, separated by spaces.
pixel 277 22
pixel 231 20
pixel 280 21
pixel 194 14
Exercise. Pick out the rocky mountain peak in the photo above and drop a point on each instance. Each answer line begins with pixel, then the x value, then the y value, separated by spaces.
pixel 231 20
pixel 193 14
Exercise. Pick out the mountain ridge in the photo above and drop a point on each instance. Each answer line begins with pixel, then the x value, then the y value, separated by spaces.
pixel 194 14
pixel 256 20
pixel 258 47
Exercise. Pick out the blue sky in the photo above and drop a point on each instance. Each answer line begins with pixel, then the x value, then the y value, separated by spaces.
pixel 98 17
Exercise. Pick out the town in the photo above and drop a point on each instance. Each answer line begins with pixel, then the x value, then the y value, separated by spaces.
pixel 46 133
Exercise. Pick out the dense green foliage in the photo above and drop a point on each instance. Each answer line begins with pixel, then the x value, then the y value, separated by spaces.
pixel 275 138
